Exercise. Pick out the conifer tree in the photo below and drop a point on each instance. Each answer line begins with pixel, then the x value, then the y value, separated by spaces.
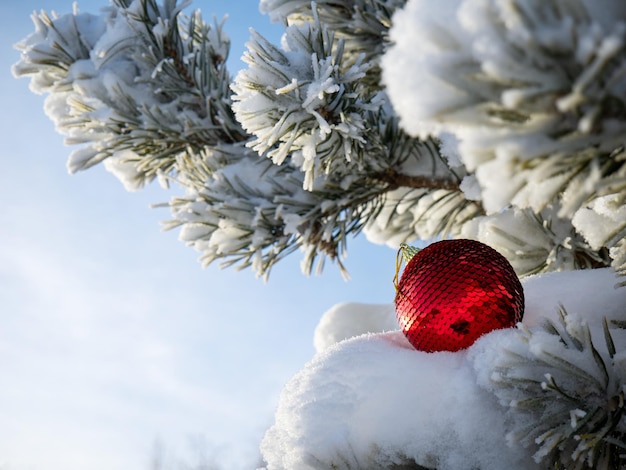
pixel 514 136
pixel 144 89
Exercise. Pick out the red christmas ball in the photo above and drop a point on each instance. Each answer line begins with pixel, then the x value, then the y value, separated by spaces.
pixel 453 292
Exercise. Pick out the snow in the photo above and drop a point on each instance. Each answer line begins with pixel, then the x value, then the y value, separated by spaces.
pixel 123 166
pixel 349 319
pixel 491 72
pixel 426 24
pixel 282 97
pixel 514 90
pixel 371 400
pixel 600 220
pixel 73 34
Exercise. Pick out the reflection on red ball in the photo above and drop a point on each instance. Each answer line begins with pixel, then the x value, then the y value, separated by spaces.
pixel 453 292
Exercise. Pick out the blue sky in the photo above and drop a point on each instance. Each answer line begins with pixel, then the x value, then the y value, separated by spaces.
pixel 112 336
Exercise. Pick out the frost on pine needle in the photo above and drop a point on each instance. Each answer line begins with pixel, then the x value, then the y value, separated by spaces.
pixel 363 24
pixel 225 218
pixel 603 223
pixel 506 116
pixel 229 215
pixel 564 389
pixel 548 71
pixel 534 242
pixel 534 93
pixel 305 100
pixel 142 83
pixel 410 213
pixel 56 44
pixel 144 88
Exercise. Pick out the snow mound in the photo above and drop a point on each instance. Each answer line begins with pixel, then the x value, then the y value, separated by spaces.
pixel 350 319
pixel 374 402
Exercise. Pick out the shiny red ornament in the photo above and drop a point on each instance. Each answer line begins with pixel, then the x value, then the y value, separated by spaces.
pixel 453 292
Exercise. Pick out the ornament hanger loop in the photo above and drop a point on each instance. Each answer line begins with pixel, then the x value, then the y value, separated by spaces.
pixel 405 253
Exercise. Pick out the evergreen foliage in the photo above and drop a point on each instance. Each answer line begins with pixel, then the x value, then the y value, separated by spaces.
pixel 533 92
pixel 514 136
pixel 144 89
pixel 566 395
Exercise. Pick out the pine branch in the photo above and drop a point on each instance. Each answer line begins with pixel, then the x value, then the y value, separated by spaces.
pixel 155 99
pixel 565 397
pixel 186 132
pixel 395 180
pixel 541 122
pixel 364 24
pixel 156 86
pixel 243 225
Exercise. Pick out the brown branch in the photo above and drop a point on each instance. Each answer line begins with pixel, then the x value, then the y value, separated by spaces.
pixel 397 180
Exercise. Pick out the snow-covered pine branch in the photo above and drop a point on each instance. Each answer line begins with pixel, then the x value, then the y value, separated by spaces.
pixel 362 24
pixel 227 217
pixel 564 393
pixel 307 102
pixel 139 85
pixel 514 110
pixel 144 89
pixel 533 92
